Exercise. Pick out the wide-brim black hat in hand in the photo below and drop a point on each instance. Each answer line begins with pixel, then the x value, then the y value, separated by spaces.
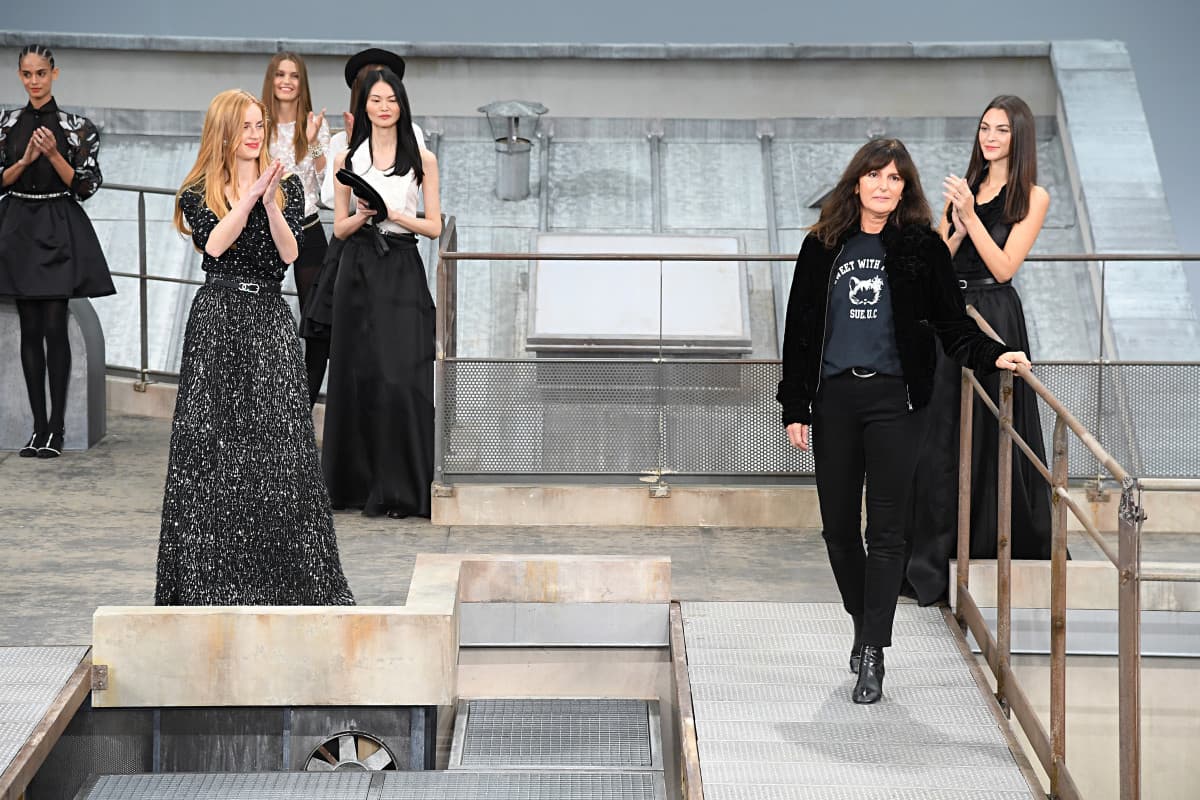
pixel 373 55
pixel 363 191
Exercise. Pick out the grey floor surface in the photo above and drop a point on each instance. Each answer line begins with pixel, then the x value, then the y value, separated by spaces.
pixel 82 531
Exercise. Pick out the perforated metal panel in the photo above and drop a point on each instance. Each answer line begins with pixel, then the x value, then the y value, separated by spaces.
pixel 30 680
pixel 695 417
pixel 226 786
pixel 616 734
pixel 771 695
pixel 463 785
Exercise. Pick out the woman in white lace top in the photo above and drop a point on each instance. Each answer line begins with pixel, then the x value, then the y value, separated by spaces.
pixel 299 139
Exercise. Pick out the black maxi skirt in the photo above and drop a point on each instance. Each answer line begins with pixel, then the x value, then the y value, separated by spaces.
pixel 246 517
pixel 378 442
pixel 933 525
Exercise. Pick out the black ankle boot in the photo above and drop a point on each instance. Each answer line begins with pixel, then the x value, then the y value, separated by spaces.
pixel 31 447
pixel 52 446
pixel 856 648
pixel 869 687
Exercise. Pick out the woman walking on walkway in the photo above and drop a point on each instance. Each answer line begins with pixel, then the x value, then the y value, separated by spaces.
pixel 873 286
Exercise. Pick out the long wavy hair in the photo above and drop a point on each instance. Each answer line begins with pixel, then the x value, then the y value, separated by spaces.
pixel 303 103
pixel 408 154
pixel 214 170
pixel 842 210
pixel 1022 156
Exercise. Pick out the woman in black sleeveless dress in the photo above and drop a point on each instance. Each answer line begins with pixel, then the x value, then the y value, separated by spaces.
pixel 49 252
pixel 993 217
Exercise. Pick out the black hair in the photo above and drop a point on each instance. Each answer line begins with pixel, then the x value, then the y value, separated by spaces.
pixel 408 154
pixel 37 50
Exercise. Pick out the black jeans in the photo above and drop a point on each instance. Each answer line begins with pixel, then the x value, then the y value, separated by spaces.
pixel 862 428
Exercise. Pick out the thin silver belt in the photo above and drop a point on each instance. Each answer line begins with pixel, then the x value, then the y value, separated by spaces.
pixel 50 196
pixel 309 221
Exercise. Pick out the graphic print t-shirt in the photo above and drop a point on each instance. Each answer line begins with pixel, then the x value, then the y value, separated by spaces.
pixel 859 330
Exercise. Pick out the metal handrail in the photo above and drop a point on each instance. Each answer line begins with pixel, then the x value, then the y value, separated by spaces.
pixel 1051 748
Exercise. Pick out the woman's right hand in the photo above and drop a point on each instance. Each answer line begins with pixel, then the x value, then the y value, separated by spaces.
pixel 32 150
pixel 363 210
pixel 269 175
pixel 798 435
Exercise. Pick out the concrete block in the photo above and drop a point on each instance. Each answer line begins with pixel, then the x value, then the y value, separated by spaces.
pixel 86 415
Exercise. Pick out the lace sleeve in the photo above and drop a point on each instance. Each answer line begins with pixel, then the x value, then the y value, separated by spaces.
pixel 7 120
pixel 200 219
pixel 293 207
pixel 323 141
pixel 84 143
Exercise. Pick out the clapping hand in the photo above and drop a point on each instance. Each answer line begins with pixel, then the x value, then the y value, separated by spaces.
pixel 267 184
pixel 315 121
pixel 961 199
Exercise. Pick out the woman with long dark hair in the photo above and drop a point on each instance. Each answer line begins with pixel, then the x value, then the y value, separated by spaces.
pixel 49 252
pixel 246 517
pixel 873 287
pixel 299 139
pixel 378 443
pixel 992 219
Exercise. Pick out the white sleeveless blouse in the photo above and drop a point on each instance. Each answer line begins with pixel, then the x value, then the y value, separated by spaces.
pixel 398 191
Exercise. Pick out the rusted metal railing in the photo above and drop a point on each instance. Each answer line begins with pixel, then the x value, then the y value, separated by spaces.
pixel 1050 748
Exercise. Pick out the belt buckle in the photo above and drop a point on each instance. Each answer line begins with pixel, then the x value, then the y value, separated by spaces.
pixel 248 288
pixel 869 373
pixel 962 284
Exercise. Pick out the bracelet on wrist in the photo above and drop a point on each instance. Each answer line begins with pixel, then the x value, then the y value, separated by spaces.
pixel 315 151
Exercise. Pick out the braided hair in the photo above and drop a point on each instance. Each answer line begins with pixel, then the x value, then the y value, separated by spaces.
pixel 37 50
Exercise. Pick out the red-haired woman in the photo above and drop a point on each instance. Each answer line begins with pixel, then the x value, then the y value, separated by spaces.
pixel 298 138
pixel 49 252
pixel 246 517
pixel 991 220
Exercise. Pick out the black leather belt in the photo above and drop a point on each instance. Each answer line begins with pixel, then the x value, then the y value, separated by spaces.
pixel 247 285
pixel 976 282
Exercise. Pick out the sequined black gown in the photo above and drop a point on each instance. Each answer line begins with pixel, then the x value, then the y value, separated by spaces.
pixel 246 517
pixel 933 526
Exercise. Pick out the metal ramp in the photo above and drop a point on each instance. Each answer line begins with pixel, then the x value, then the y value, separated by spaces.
pixel 774 721
pixel 38 686
pixel 454 785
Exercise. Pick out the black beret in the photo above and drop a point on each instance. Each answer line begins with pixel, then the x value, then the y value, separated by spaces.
pixel 373 55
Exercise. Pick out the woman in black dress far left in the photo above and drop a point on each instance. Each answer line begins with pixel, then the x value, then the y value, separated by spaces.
pixel 246 517
pixel 49 252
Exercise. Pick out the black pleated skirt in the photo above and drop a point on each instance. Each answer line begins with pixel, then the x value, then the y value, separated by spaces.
pixel 49 250
pixel 246 517
pixel 933 524
pixel 378 442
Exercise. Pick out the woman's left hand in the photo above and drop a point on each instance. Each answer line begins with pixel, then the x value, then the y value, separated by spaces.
pixel 314 125
pixel 959 195
pixel 43 140
pixel 1011 361
pixel 273 174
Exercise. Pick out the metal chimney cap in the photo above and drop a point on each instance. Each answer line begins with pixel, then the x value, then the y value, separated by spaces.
pixel 513 108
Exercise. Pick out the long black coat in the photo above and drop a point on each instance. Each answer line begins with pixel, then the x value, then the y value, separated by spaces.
pixel 925 301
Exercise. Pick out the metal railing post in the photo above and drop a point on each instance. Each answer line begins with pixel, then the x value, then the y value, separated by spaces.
pixel 143 303
pixel 1058 609
pixel 1129 610
pixel 1004 472
pixel 966 425
pixel 446 283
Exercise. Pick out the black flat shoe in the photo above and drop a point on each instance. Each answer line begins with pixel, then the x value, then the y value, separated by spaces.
pixel 31 447
pixel 869 687
pixel 856 648
pixel 53 446
pixel 396 514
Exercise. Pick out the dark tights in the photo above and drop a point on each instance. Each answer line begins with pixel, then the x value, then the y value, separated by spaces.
pixel 307 269
pixel 45 350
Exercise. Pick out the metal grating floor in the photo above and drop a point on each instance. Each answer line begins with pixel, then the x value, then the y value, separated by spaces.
pixel 610 733
pixel 558 785
pixel 774 720
pixel 30 679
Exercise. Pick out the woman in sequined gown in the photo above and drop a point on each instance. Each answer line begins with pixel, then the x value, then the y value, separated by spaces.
pixel 246 517
pixel 378 444
pixel 992 219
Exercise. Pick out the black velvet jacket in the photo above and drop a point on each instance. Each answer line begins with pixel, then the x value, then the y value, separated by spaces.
pixel 925 300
